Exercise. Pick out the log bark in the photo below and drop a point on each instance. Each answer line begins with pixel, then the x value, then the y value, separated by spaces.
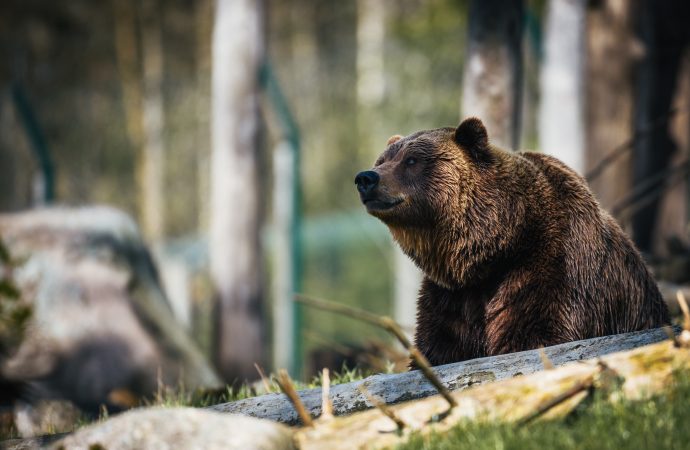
pixel 406 386
pixel 634 374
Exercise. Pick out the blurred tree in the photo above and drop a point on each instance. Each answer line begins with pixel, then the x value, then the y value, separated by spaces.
pixel 664 30
pixel 561 127
pixel 127 53
pixel 612 50
pixel 14 157
pixel 152 162
pixel 203 13
pixel 236 189
pixel 142 97
pixel 492 83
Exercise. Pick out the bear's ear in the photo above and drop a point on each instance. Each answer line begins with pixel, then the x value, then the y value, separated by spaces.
pixel 471 135
pixel 393 139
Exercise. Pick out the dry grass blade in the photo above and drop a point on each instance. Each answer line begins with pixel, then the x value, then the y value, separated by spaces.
pixel 548 365
pixel 381 406
pixel 326 405
pixel 264 379
pixel 289 390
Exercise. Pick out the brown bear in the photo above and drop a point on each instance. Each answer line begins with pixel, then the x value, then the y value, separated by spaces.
pixel 516 252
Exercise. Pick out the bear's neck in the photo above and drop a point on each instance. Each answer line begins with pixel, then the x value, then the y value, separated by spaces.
pixel 463 253
pixel 444 256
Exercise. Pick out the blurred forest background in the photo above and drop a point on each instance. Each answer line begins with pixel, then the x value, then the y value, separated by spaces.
pixel 191 116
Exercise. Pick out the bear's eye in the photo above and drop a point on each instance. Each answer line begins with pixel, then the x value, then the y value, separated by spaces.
pixel 411 161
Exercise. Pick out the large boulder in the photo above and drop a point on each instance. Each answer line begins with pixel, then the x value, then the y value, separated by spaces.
pixel 180 428
pixel 102 331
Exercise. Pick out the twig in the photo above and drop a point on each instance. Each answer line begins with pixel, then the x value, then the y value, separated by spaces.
pixel 629 144
pixel 339 308
pixel 288 389
pixel 381 405
pixel 428 372
pixel 326 404
pixel 557 400
pixel 645 200
pixel 264 380
pixel 356 354
pixel 392 327
pixel 650 186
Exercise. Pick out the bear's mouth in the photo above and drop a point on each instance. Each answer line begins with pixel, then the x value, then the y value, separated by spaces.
pixel 374 204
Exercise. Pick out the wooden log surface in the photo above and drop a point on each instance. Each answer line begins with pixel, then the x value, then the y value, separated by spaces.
pixel 396 388
pixel 634 374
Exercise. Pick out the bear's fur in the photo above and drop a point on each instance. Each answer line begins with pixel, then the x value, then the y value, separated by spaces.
pixel 516 251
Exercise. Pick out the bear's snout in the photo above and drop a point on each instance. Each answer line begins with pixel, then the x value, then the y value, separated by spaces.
pixel 366 182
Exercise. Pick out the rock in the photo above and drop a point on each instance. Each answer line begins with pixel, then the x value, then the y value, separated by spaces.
pixel 102 331
pixel 180 428
pixel 46 417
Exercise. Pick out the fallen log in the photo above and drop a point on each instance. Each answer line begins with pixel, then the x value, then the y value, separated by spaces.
pixel 634 374
pixel 396 388
pixel 550 393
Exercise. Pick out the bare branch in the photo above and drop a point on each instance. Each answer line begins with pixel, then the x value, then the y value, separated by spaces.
pixel 381 405
pixel 392 327
pixel 557 400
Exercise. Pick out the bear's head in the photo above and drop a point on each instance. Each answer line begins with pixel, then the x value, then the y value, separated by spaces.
pixel 443 195
pixel 418 180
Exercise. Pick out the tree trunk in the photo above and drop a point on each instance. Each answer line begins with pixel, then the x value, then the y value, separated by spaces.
pixel 561 128
pixel 238 49
pixel 284 209
pixel 612 50
pixel 492 84
pixel 9 198
pixel 203 12
pixel 664 32
pixel 152 164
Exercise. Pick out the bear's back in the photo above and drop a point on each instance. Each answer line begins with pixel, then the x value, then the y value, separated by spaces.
pixel 608 278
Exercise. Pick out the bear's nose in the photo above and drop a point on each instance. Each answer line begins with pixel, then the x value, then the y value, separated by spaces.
pixel 366 181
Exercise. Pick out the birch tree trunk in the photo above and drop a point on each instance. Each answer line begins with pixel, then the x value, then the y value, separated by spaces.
pixel 235 216
pixel 561 127
pixel 492 83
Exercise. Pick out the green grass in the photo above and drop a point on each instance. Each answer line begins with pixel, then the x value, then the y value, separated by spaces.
pixel 171 397
pixel 658 423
